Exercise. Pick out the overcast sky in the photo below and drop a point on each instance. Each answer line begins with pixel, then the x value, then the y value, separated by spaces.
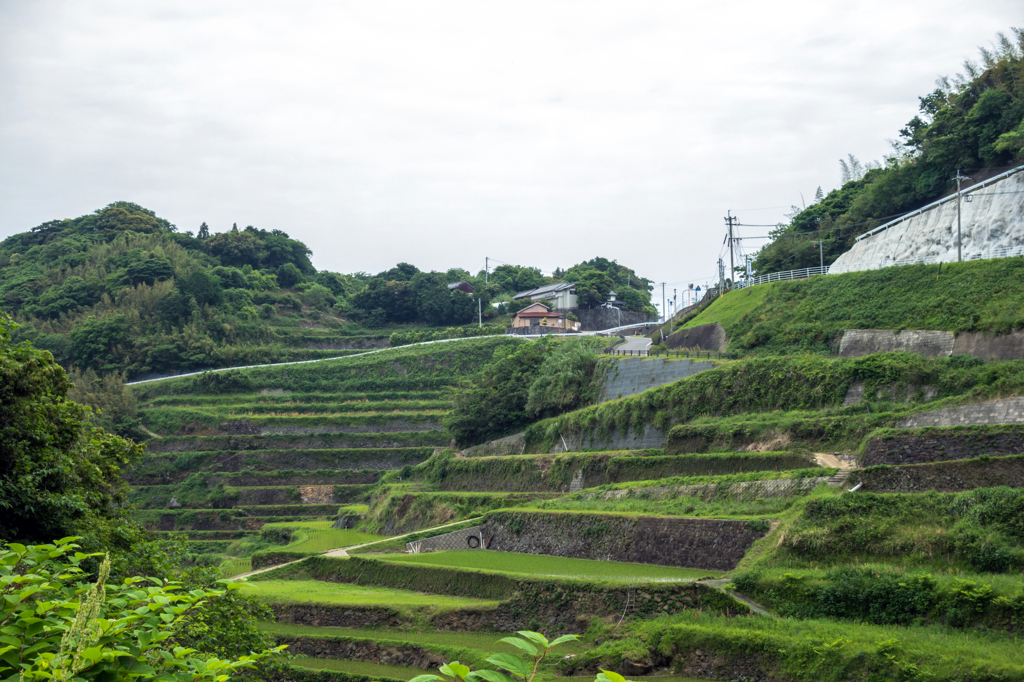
pixel 438 133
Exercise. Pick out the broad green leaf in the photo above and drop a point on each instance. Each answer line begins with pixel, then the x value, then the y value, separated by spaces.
pixel 489 675
pixel 511 663
pixel 427 678
pixel 520 644
pixel 612 676
pixel 455 669
pixel 535 637
pixel 563 639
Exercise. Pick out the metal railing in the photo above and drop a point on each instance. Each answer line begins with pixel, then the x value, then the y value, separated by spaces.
pixel 952 197
pixel 802 273
pixel 1001 252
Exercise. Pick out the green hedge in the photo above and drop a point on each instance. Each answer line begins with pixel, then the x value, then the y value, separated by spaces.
pixel 413 368
pixel 766 384
pixel 544 473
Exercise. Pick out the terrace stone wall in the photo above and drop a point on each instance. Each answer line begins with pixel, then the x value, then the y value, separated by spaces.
pixel 363 650
pixel 944 477
pixel 777 487
pixel 698 543
pixel 939 445
pixel 318 441
pixel 248 428
pixel 337 616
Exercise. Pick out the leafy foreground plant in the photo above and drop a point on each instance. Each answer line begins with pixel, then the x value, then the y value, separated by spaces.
pixel 55 627
pixel 533 644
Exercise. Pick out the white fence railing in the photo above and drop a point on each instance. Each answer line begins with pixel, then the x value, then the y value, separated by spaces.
pixel 804 273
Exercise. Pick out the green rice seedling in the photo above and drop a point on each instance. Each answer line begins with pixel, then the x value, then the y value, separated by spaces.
pixel 314 591
pixel 554 567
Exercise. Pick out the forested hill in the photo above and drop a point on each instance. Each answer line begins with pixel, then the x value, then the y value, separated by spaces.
pixel 973 123
pixel 121 290
pixel 121 293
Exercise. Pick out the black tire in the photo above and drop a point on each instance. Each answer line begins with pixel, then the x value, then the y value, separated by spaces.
pixel 473 541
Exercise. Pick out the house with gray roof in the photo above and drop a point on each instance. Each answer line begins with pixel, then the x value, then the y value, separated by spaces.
pixel 560 295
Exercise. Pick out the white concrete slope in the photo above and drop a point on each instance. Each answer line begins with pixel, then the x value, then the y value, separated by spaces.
pixel 992 226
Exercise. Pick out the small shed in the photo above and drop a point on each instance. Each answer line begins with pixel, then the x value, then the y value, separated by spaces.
pixel 462 285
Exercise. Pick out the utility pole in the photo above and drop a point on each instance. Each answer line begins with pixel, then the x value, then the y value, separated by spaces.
pixel 479 301
pixel 821 250
pixel 729 220
pixel 959 246
pixel 721 278
pixel 664 311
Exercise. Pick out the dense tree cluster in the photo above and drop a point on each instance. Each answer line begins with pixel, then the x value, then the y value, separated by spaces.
pixel 971 123
pixel 122 291
pixel 522 384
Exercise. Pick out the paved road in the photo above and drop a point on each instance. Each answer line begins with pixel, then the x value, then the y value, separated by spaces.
pixel 635 343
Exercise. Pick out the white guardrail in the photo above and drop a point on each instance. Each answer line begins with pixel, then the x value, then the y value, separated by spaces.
pixel 378 350
pixel 804 273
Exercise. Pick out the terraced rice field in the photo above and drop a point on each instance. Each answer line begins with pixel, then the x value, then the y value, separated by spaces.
pixel 482 641
pixel 310 591
pixel 322 540
pixel 554 567
pixel 375 671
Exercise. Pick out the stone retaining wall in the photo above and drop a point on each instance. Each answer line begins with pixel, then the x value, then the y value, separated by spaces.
pixel 365 476
pixel 712 544
pixel 336 616
pixel 319 441
pixel 944 477
pixel 777 487
pixel 920 446
pixel 245 427
pixel 363 650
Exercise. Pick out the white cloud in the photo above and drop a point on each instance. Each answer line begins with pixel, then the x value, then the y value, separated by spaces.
pixel 441 132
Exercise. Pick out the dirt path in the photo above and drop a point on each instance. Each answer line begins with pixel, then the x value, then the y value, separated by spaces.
pixel 827 460
pixel 720 586
pixel 343 551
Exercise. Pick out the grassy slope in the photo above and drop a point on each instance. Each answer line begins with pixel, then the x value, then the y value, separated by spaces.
pixel 554 567
pixel 806 315
pixel 729 309
pixel 310 591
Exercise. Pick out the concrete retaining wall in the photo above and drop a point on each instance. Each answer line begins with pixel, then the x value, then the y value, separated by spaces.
pixel 466 538
pixel 598 319
pixel 652 437
pixel 990 346
pixel 502 447
pixel 1005 411
pixel 939 445
pixel 629 376
pixel 857 343
pixel 705 337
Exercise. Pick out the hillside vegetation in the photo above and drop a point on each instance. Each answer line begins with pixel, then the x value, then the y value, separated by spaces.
pixel 808 315
pixel 972 122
